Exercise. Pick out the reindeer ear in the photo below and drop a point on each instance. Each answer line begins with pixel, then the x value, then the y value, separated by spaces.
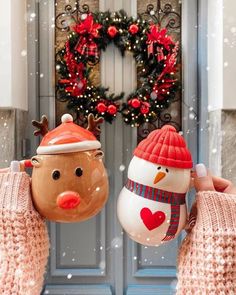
pixel 36 161
pixel 98 154
pixel 94 124
pixel 41 125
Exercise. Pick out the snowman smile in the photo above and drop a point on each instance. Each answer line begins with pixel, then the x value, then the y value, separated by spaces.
pixel 160 175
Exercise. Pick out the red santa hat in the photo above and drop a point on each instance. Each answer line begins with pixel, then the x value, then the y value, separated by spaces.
pixel 67 138
pixel 165 147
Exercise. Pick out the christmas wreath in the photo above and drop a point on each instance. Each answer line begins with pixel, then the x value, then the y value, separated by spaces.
pixel 155 53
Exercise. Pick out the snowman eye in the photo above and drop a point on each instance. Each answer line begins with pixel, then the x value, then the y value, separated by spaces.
pixel 159 168
pixel 56 174
pixel 167 170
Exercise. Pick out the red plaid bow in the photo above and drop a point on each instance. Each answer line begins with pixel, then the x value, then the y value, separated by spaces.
pixel 88 31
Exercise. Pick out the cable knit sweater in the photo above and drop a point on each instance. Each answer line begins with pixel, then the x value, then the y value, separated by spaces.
pixel 23 237
pixel 207 256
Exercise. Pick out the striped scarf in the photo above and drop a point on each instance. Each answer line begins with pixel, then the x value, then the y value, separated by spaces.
pixel 155 194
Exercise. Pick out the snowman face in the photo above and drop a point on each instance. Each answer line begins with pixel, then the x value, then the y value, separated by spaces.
pixel 166 178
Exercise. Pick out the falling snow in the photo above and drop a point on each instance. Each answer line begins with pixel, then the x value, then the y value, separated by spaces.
pixel 122 168
pixel 116 242
pixel 233 30
pixel 23 52
pixel 31 283
pixel 69 276
pixel 102 265
pixel 214 151
pixel 191 116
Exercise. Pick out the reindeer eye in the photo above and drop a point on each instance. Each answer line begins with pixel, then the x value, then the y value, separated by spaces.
pixel 159 168
pixel 167 170
pixel 56 174
pixel 78 172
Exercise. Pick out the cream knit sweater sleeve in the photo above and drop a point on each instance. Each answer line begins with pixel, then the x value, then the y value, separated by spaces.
pixel 207 256
pixel 24 241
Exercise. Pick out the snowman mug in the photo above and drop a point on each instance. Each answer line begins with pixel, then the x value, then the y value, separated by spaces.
pixel 151 207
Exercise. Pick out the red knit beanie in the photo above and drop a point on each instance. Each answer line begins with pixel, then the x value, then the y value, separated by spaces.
pixel 165 147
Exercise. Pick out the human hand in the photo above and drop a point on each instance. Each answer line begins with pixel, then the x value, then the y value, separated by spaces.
pixel 202 180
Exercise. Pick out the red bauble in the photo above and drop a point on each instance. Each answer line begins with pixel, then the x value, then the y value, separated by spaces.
pixel 101 107
pixel 112 31
pixel 133 29
pixel 112 109
pixel 145 108
pixel 135 103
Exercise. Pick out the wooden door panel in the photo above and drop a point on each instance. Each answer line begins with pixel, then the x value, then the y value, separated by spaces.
pixel 79 248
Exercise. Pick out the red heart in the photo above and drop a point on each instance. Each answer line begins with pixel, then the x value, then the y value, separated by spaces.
pixel 152 220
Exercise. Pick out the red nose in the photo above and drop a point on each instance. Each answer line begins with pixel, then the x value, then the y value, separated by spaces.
pixel 68 200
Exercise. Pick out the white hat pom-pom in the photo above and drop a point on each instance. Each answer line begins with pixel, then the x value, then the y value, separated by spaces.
pixel 66 118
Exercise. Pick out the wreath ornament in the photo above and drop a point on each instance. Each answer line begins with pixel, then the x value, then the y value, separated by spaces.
pixel 155 54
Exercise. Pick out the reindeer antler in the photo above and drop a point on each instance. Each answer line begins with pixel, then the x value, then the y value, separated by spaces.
pixel 93 124
pixel 42 126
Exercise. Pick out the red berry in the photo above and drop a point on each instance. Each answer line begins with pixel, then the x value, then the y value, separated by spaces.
pixel 145 108
pixel 101 107
pixel 112 31
pixel 135 103
pixel 112 109
pixel 133 29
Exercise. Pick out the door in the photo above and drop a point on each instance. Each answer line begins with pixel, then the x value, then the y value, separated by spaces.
pixel 96 257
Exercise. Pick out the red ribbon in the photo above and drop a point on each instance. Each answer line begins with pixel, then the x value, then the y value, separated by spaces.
pixel 161 89
pixel 76 84
pixel 76 87
pixel 88 31
pixel 156 37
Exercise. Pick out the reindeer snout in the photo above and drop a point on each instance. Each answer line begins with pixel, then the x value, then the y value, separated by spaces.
pixel 68 200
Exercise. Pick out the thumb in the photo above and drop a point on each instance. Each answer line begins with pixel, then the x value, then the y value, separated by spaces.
pixel 203 180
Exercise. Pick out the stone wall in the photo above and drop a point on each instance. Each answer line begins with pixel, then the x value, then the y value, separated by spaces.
pixel 222 138
pixel 12 132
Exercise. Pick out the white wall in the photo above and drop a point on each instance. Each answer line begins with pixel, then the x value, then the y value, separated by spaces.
pixel 13 54
pixel 222 54
pixel 229 48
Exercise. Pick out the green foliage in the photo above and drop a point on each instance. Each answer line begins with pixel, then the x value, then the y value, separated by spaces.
pixel 150 69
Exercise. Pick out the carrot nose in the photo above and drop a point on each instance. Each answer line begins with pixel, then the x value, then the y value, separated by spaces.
pixel 159 177
pixel 68 200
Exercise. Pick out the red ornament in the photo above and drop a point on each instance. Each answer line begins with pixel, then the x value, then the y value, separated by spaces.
pixel 135 103
pixel 112 109
pixel 133 29
pixel 112 31
pixel 145 108
pixel 101 107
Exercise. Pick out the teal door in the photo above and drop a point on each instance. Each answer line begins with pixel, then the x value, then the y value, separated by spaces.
pixel 96 256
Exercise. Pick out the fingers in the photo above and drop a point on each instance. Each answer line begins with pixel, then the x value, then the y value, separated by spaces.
pixel 221 184
pixel 203 180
